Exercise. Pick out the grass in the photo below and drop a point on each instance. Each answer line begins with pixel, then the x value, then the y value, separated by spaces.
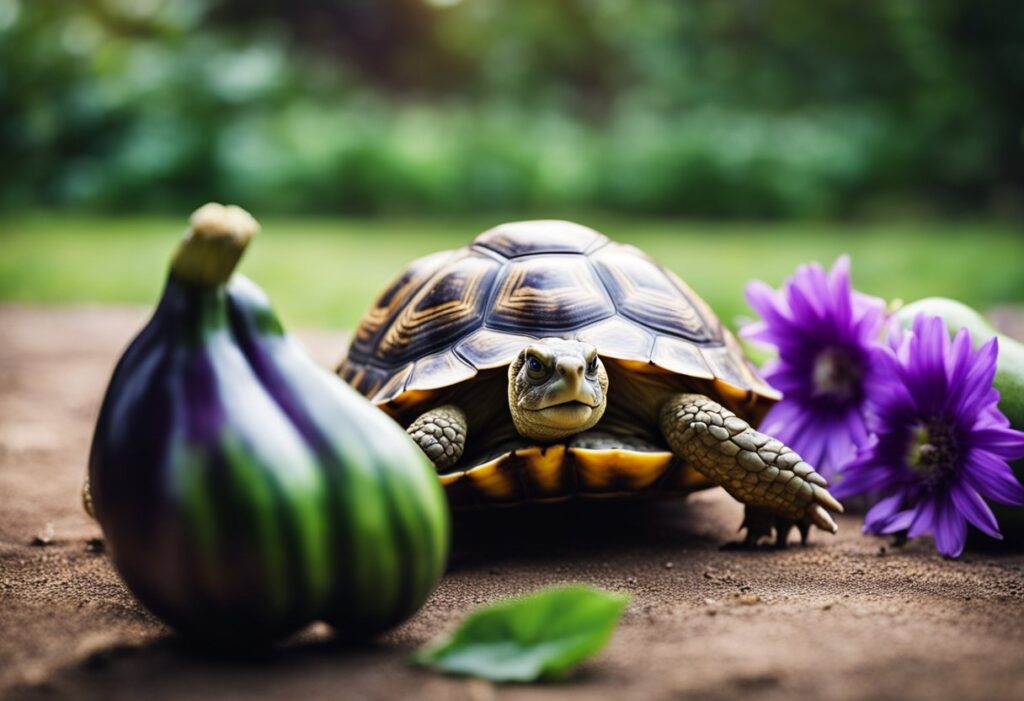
pixel 326 272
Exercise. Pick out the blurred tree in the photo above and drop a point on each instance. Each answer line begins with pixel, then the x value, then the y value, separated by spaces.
pixel 753 108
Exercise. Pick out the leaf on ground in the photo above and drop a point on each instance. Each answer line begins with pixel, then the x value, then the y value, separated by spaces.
pixel 537 636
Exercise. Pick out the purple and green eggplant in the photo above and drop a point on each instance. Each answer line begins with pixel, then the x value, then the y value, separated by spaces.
pixel 243 490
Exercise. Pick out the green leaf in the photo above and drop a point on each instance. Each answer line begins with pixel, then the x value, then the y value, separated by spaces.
pixel 537 636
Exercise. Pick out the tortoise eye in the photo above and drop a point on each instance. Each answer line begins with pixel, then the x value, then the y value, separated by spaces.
pixel 592 366
pixel 535 368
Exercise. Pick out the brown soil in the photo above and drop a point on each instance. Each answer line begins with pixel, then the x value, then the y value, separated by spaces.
pixel 849 617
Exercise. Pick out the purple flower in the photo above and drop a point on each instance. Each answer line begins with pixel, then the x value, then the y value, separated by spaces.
pixel 824 332
pixel 941 445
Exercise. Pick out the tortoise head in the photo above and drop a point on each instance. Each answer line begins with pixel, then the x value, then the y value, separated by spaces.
pixel 556 388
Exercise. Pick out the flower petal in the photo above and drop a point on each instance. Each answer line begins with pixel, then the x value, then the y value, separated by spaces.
pixel 860 478
pixel 879 515
pixel 786 421
pixel 973 406
pixel 993 478
pixel 758 331
pixel 804 306
pixel 840 292
pixel 960 357
pixel 970 504
pixel 840 446
pixel 1007 443
pixel 924 520
pixel 976 386
pixel 925 373
pixel 811 446
pixel 899 521
pixel 950 529
pixel 764 301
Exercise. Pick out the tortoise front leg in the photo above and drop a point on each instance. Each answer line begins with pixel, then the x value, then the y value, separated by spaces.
pixel 441 434
pixel 754 468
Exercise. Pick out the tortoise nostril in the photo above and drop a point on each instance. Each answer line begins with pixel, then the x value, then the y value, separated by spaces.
pixel 568 367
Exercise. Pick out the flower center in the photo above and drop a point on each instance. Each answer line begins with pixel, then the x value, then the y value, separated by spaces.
pixel 933 451
pixel 837 375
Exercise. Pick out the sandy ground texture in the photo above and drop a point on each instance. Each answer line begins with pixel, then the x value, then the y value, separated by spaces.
pixel 849 617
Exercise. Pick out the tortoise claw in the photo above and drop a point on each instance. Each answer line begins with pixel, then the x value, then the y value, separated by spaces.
pixel 825 499
pixel 821 518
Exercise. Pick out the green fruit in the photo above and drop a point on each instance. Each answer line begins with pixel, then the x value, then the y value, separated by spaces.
pixel 245 491
pixel 1009 379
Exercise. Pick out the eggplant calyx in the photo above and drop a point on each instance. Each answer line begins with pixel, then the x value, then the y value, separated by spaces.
pixel 213 244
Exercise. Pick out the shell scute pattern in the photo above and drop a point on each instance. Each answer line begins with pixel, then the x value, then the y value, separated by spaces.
pixel 437 370
pixel 453 314
pixel 538 294
pixel 394 296
pixel 485 349
pixel 545 236
pixel 644 293
pixel 452 302
pixel 619 338
pixel 682 357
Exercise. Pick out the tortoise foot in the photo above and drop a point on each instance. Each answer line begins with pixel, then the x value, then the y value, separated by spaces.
pixel 756 469
pixel 441 434
pixel 762 524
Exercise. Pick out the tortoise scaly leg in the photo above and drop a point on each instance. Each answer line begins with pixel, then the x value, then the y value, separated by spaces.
pixel 754 468
pixel 441 434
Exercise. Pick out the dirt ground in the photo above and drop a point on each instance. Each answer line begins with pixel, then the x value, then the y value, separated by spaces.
pixel 849 617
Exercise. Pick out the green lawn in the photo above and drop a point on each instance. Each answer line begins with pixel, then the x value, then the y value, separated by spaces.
pixel 325 272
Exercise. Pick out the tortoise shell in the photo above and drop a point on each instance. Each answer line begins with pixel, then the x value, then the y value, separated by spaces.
pixel 451 317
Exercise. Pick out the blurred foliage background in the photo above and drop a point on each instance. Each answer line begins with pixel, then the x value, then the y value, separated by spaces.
pixel 365 132
pixel 754 108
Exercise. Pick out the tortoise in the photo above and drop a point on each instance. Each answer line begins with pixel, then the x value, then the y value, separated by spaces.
pixel 544 361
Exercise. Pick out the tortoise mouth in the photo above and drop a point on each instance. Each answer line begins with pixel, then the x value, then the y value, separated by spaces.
pixel 565 414
pixel 572 404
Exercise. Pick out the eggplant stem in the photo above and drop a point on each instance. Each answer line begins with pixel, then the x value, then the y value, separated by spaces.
pixel 213 244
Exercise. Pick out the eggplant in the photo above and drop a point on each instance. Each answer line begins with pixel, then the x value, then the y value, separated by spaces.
pixel 243 490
